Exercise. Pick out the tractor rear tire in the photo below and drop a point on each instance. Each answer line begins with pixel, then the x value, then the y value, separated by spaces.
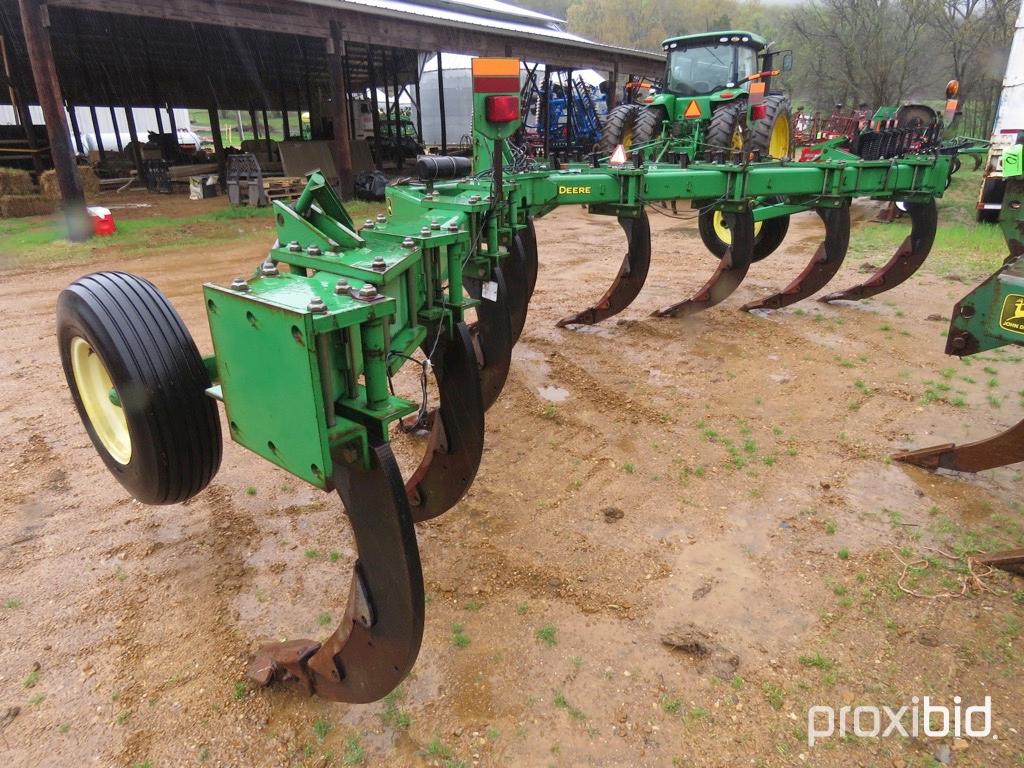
pixel 772 135
pixel 618 128
pixel 649 125
pixel 139 385
pixel 727 129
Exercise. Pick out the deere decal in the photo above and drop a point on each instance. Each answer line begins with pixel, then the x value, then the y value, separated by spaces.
pixel 1012 318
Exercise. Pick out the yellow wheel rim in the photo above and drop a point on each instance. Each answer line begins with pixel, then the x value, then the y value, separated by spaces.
pixel 737 139
pixel 627 139
pixel 101 400
pixel 722 228
pixel 778 144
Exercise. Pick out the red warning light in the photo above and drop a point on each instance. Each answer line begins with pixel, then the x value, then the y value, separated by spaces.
pixel 502 109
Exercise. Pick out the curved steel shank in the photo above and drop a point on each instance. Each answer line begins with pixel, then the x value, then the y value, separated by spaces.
pixel 907 259
pixel 732 268
pixel 629 280
pixel 827 260
pixel 379 637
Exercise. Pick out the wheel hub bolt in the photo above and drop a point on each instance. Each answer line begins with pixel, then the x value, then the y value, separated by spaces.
pixel 368 291
pixel 379 265
pixel 313 250
pixel 240 284
pixel 294 246
pixel 408 243
pixel 368 224
pixel 342 286
pixel 316 305
pixel 269 269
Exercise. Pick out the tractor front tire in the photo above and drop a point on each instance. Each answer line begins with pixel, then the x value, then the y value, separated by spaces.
pixel 618 128
pixel 772 135
pixel 139 385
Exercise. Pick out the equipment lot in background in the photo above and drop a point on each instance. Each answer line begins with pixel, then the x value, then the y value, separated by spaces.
pixel 643 479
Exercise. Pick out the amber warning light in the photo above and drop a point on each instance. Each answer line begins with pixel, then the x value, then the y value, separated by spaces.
pixel 496 75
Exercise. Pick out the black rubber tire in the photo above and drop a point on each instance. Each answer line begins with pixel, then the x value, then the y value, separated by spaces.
pixel 160 379
pixel 618 124
pixel 992 192
pixel 649 125
pixel 725 121
pixel 767 241
pixel 775 107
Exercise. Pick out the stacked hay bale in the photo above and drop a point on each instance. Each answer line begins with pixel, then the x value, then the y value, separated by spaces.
pixel 18 196
pixel 90 184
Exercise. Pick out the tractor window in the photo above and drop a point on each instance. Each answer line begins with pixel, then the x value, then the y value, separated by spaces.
pixel 705 69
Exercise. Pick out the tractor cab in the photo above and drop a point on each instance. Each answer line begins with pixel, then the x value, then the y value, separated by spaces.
pixel 700 65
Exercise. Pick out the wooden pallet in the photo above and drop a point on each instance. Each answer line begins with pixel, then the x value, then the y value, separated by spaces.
pixel 284 187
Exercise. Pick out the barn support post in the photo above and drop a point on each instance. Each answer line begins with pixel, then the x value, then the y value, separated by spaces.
pixel 397 135
pixel 117 129
pixel 440 105
pixel 133 133
pixel 96 133
pixel 34 22
pixel 342 139
pixel 420 60
pixel 283 99
pixel 218 146
pixel 173 125
pixel 253 124
pixel 76 132
pixel 613 86
pixel 266 137
pixel 371 55
pixel 346 68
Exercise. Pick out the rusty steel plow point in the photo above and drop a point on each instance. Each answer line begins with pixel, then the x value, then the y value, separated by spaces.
pixel 996 451
pixel 379 637
pixel 630 279
pixel 827 260
pixel 732 268
pixel 907 259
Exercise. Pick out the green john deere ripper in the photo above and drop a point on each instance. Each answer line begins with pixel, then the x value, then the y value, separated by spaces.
pixel 306 345
pixel 989 317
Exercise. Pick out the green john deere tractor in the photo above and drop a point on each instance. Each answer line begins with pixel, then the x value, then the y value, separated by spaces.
pixel 716 97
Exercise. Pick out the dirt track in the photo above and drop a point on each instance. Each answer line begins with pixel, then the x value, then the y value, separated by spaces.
pixel 642 479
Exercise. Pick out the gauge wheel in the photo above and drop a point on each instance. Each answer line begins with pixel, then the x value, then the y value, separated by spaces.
pixel 139 385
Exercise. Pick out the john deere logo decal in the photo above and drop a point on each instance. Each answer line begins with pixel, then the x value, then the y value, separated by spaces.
pixel 1013 314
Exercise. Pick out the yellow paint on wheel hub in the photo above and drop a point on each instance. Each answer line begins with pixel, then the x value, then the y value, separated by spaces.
pixel 779 143
pixel 92 380
pixel 721 227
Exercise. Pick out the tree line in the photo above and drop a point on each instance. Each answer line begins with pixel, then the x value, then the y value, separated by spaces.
pixel 850 52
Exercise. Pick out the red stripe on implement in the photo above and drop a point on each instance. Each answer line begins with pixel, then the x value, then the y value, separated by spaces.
pixel 496 84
